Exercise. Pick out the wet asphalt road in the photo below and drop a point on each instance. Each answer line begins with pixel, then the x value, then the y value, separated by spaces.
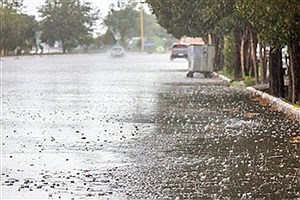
pixel 93 127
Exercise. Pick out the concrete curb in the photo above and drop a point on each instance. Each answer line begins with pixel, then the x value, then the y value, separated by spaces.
pixel 279 104
pixel 222 77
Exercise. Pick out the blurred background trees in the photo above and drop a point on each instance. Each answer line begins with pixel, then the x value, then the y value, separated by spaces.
pixel 18 31
pixel 72 24
pixel 123 22
pixel 67 21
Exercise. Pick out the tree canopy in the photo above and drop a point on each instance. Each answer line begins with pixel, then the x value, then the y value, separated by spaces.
pixel 272 22
pixel 67 21
pixel 124 23
pixel 17 30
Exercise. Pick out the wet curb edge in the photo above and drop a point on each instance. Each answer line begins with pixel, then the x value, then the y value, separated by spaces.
pixel 278 103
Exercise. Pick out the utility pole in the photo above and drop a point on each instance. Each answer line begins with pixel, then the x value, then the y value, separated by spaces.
pixel 142 33
pixel 142 28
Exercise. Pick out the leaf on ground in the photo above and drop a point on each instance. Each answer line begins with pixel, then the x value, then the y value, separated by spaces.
pixel 250 115
pixel 261 101
pixel 295 139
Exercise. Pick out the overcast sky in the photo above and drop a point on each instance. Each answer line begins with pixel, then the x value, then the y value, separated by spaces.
pixel 103 5
pixel 31 8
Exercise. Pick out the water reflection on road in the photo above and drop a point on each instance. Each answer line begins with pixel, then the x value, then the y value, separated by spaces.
pixel 89 126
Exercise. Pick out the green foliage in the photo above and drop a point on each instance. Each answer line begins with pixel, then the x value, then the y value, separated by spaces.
pixel 17 30
pixel 67 21
pixel 108 38
pixel 123 23
pixel 276 21
pixel 226 74
pixel 15 5
pixel 228 53
pixel 178 16
pixel 237 84
pixel 153 29
pixel 195 18
pixel 249 81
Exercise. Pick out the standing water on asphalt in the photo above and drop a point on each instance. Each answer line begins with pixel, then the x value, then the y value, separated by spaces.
pixel 94 127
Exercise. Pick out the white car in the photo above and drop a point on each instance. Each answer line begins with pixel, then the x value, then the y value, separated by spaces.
pixel 117 51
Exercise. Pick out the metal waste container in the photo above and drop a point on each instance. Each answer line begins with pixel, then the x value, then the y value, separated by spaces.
pixel 201 59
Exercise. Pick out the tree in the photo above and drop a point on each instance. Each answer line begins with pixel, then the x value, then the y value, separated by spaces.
pixel 276 73
pixel 210 20
pixel 67 21
pixel 123 23
pixel 153 29
pixel 272 22
pixel 177 17
pixel 108 38
pixel 278 24
pixel 16 5
pixel 17 30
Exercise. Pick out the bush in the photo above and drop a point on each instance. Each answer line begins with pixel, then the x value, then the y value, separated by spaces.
pixel 249 81
pixel 238 84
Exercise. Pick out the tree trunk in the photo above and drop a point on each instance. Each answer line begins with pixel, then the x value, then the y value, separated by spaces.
pixel 263 61
pixel 248 61
pixel 276 73
pixel 63 44
pixel 237 54
pixel 212 39
pixel 294 48
pixel 243 54
pixel 253 43
pixel 245 62
pixel 64 49
pixel 290 88
pixel 219 59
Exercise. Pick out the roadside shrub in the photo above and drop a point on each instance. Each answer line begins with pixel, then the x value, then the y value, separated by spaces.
pixel 249 81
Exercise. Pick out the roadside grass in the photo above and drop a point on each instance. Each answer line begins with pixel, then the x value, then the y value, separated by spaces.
pixel 233 83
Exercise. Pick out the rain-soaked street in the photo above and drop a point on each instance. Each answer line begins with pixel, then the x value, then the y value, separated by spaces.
pixel 93 127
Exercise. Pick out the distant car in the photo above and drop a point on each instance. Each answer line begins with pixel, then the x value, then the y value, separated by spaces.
pixel 117 51
pixel 179 50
